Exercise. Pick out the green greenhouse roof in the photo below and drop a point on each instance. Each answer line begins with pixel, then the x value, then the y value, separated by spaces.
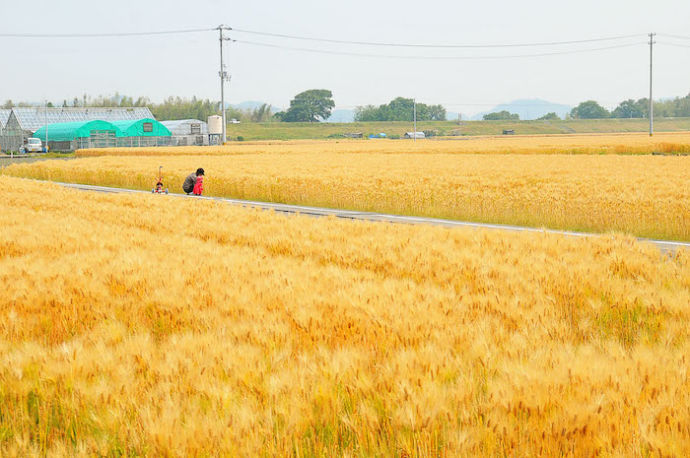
pixel 68 131
pixel 135 128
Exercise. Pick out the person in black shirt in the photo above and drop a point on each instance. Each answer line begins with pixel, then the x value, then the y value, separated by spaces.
pixel 190 181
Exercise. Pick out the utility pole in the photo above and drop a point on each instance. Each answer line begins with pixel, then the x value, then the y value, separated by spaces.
pixel 223 77
pixel 414 109
pixel 651 100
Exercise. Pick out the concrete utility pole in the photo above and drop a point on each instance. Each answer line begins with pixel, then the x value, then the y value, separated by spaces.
pixel 223 77
pixel 651 100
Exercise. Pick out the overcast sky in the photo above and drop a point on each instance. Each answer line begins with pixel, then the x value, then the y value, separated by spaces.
pixel 34 69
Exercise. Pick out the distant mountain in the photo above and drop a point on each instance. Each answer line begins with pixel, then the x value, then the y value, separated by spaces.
pixel 247 105
pixel 528 109
pixel 454 116
pixel 342 115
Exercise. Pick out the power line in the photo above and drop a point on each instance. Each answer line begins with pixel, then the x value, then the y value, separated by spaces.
pixel 418 57
pixel 679 37
pixel 427 45
pixel 102 35
pixel 324 40
pixel 677 45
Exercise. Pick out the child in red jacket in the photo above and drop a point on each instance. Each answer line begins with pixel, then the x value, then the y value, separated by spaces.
pixel 194 182
pixel 198 186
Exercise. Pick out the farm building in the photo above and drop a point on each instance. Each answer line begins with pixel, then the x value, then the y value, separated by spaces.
pixel 187 132
pixel 23 122
pixel 69 136
pixel 142 132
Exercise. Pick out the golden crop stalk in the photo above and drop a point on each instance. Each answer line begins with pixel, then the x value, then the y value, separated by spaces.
pixel 144 325
pixel 620 143
pixel 646 196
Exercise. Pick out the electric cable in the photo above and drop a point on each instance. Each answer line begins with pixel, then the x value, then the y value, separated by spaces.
pixel 99 35
pixel 678 37
pixel 428 45
pixel 417 57
pixel 323 40
pixel 677 45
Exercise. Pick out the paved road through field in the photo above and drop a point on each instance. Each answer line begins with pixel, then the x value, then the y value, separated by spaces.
pixel 664 245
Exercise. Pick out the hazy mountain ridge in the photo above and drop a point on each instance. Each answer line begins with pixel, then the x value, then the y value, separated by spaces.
pixel 528 109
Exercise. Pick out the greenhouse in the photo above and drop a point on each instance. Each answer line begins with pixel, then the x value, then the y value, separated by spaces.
pixel 20 123
pixel 142 132
pixel 4 116
pixel 187 132
pixel 69 136
pixel 5 143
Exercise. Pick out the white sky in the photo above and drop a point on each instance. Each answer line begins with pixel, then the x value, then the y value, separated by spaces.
pixel 35 69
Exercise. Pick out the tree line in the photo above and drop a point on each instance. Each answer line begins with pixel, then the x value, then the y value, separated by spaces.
pixel 170 108
pixel 678 107
pixel 313 105
pixel 316 105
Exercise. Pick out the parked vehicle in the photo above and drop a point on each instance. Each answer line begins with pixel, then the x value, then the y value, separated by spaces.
pixel 415 135
pixel 32 145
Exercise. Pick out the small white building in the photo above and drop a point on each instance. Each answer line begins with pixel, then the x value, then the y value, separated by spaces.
pixel 187 132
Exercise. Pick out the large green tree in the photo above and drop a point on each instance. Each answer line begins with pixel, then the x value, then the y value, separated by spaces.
pixel 631 109
pixel 366 113
pixel 589 110
pixel 400 109
pixel 313 105
pixel 549 117
pixel 501 115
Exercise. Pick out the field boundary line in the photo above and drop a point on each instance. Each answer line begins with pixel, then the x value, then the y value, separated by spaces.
pixel 663 245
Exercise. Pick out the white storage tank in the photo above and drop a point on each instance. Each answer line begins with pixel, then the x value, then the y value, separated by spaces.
pixel 215 125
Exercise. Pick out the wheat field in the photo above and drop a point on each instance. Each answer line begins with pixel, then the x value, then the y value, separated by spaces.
pixel 622 143
pixel 647 196
pixel 143 325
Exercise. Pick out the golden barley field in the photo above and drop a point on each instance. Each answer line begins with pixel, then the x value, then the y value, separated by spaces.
pixel 149 325
pixel 622 143
pixel 647 196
